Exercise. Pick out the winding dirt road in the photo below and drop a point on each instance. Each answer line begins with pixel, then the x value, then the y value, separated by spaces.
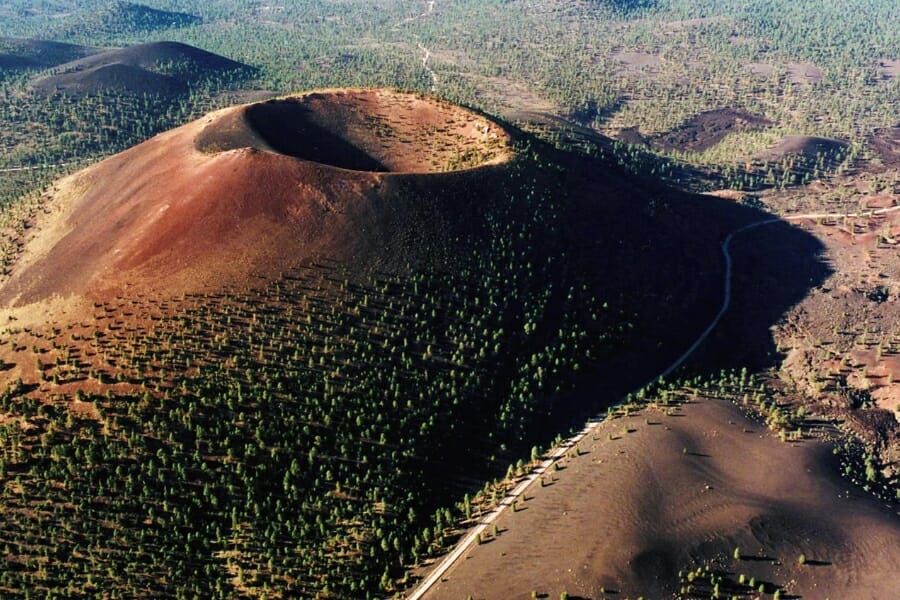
pixel 420 46
pixel 472 535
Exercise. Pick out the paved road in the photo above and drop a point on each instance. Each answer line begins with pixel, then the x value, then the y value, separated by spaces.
pixel 472 535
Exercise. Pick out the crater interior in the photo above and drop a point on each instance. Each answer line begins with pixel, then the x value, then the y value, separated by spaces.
pixel 365 130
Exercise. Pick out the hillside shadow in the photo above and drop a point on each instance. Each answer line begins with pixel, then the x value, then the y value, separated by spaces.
pixel 653 254
pixel 775 267
pixel 289 127
pixel 658 250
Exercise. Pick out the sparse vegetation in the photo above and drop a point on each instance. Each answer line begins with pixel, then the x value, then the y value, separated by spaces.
pixel 305 436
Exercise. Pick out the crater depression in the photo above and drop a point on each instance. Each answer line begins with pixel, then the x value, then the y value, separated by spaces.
pixel 364 130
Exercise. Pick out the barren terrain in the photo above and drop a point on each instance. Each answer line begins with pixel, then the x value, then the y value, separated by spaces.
pixel 665 491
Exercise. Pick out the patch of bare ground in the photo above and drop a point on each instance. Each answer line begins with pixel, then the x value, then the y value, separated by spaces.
pixel 889 69
pixel 842 342
pixel 643 63
pixel 655 494
pixel 513 99
pixel 804 73
pixel 631 135
pixel 837 346
pixel 761 70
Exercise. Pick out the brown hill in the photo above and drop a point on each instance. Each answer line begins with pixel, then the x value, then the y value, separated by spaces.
pixel 377 180
pixel 215 199
pixel 805 147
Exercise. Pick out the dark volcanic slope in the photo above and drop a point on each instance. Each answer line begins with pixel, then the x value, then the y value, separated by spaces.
pixel 22 53
pixel 112 78
pixel 166 67
pixel 708 129
pixel 803 146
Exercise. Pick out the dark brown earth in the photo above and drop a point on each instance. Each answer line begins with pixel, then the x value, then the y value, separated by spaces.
pixel 654 494
pixel 699 133
pixel 803 146
pixel 707 129
pixel 139 69
pixel 885 143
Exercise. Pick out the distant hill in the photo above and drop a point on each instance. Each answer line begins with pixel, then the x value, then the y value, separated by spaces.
pixel 125 18
pixel 19 54
pixel 165 68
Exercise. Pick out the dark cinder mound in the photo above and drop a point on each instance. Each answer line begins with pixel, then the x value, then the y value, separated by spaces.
pixel 115 78
pixel 363 130
pixel 155 55
pixel 157 67
pixel 24 53
pixel 805 146
pixel 708 129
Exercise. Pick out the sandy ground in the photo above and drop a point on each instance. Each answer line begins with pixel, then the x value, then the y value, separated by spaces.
pixel 652 494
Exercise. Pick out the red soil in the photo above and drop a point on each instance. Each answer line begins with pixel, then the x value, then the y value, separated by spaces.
pixel 170 216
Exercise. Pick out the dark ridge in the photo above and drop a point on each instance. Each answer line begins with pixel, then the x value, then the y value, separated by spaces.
pixel 113 78
pixel 707 129
pixel 159 67
pixel 25 53
pixel 155 55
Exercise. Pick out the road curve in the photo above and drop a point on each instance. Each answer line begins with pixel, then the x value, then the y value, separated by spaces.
pixel 462 546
